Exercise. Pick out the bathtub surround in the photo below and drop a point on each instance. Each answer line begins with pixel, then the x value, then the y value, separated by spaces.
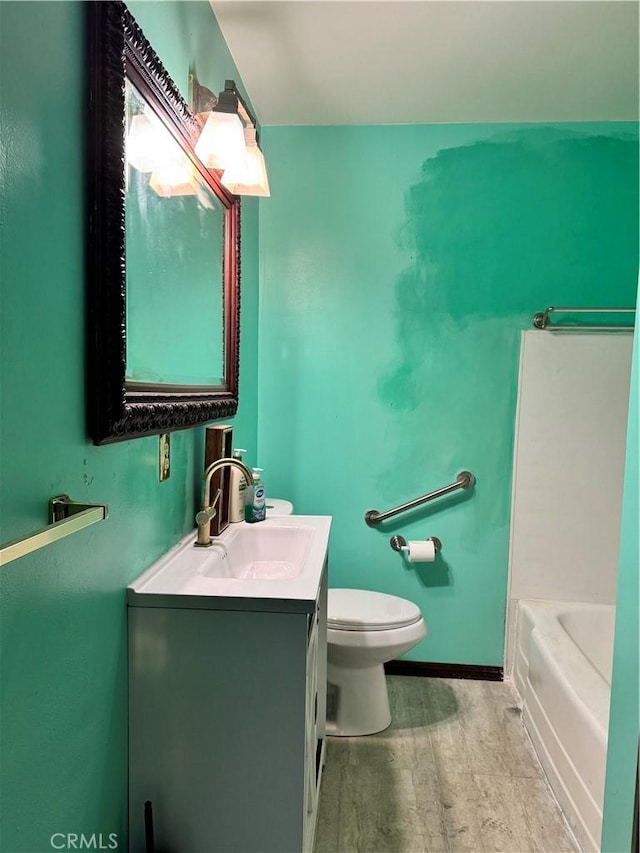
pixel 427 249
pixel 571 433
pixel 569 465
pixel 64 723
pixel 565 545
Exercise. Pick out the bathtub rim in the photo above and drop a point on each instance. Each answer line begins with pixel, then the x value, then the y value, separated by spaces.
pixel 576 775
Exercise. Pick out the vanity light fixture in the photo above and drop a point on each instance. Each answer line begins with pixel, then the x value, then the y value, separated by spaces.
pixel 229 139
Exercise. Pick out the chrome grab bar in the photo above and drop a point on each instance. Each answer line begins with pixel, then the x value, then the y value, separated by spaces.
pixel 464 480
pixel 65 517
pixel 541 319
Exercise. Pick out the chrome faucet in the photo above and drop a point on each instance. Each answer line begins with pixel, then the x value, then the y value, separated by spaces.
pixel 203 518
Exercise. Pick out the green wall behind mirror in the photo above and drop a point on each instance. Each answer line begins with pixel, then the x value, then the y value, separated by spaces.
pixel 63 617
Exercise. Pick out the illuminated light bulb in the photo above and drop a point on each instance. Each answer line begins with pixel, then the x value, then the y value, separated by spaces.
pixel 148 143
pixel 174 176
pixel 221 143
pixel 249 175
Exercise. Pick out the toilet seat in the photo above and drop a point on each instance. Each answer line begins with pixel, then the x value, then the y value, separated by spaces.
pixel 363 610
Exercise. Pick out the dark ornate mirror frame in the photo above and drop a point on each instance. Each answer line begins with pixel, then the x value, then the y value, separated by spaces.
pixel 118 51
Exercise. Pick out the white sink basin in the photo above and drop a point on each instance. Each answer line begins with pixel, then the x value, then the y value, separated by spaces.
pixel 258 552
pixel 279 560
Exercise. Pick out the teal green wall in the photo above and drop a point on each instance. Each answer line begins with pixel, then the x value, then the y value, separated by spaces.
pixel 399 265
pixel 624 720
pixel 63 635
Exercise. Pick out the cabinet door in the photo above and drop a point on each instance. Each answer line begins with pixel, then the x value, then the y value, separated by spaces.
pixel 218 729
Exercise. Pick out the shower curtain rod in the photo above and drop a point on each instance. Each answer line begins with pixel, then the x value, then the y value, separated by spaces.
pixel 541 319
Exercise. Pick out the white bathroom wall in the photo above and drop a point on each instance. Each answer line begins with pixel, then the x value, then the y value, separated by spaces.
pixel 568 467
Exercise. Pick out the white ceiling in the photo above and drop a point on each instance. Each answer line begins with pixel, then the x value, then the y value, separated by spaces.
pixel 419 61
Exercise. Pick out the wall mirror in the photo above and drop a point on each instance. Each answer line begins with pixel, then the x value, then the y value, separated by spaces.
pixel 163 248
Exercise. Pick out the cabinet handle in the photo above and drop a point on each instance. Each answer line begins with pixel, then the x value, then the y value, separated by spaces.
pixel 148 828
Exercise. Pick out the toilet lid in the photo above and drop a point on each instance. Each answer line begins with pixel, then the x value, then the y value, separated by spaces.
pixel 362 610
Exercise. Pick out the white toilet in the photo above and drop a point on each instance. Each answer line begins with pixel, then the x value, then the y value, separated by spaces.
pixel 364 631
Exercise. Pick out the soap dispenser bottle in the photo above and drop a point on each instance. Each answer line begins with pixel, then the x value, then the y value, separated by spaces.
pixel 254 508
pixel 237 490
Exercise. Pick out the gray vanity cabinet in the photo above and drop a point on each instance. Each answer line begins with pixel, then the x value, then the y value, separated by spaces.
pixel 226 723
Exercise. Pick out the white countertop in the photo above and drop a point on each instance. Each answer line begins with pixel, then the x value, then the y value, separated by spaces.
pixel 177 578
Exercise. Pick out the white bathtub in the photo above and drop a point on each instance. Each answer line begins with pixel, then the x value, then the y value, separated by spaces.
pixel 562 670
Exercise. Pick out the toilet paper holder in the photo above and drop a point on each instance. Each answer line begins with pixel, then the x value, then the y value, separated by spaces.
pixel 399 543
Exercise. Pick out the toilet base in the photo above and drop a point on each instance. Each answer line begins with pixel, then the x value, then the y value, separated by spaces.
pixel 357 702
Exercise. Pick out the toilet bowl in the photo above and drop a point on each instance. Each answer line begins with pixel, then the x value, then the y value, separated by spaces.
pixel 365 630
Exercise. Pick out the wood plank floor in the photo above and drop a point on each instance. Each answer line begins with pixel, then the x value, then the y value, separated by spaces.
pixel 454 772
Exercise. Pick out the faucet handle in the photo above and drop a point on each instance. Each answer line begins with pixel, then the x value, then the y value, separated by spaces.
pixel 202 520
pixel 205 515
pixel 208 512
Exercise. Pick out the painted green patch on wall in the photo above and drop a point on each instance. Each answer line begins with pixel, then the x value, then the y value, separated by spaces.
pixel 399 266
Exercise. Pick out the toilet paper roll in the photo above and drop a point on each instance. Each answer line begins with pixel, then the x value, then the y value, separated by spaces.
pixel 423 551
